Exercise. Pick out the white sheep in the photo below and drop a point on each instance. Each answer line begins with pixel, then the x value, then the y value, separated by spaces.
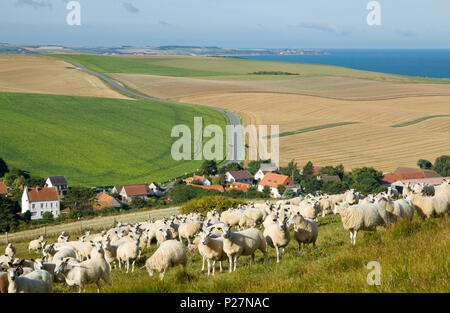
pixel 401 209
pixel 308 209
pixel 211 249
pixel 305 231
pixel 36 245
pixel 363 217
pixel 10 250
pixel 392 192
pixel 428 207
pixel 188 230
pixel 128 251
pixel 424 189
pixel 245 242
pixel 278 236
pixel 257 214
pixel 163 234
pixel 38 281
pixel 444 188
pixel 169 254
pixel 84 273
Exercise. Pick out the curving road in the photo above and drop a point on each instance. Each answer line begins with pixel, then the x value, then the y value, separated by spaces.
pixel 234 120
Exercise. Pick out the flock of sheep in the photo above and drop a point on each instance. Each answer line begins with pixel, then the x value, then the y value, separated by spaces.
pixel 90 259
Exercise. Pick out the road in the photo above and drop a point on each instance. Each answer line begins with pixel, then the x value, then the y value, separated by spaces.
pixel 234 120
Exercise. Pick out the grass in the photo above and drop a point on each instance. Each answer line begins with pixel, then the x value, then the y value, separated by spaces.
pixel 414 257
pixel 222 68
pixel 95 141
pixel 314 128
pixel 418 120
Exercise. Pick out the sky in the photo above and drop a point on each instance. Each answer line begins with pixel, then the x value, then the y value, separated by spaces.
pixel 405 24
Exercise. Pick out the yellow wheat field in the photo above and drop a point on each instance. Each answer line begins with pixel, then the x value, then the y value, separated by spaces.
pixel 46 75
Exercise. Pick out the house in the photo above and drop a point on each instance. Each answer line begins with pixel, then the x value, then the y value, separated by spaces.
pixel 60 182
pixel 405 173
pixel 155 189
pixel 264 169
pixel 434 181
pixel 103 200
pixel 272 181
pixel 40 200
pixel 129 191
pixel 242 176
pixel 202 179
pixel 238 186
pixel 209 187
pixel 326 178
pixel 4 190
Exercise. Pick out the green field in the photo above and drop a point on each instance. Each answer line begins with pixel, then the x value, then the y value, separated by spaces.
pixel 95 141
pixel 223 68
pixel 414 257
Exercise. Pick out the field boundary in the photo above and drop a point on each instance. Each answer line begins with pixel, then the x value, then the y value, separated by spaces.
pixel 313 128
pixel 421 119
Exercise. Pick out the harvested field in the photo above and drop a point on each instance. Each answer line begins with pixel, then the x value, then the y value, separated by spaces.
pixel 46 75
pixel 370 142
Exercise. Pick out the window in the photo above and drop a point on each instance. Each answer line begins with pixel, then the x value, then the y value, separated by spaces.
pixel 33 205
pixel 42 205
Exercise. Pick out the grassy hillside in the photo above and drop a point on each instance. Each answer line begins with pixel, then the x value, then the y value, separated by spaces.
pixel 95 141
pixel 414 257
pixel 222 68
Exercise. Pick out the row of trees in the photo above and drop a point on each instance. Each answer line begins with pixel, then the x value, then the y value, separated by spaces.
pixel 441 165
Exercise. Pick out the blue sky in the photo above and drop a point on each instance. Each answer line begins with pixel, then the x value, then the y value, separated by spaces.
pixel 230 23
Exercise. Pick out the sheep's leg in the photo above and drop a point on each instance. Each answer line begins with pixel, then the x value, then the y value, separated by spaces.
pixel 220 264
pixel 203 264
pixel 230 260
pixel 214 266
pixel 133 266
pixel 161 275
pixel 278 253
pixel 351 237
pixel 235 259
pixel 128 265
pixel 300 248
pixel 120 265
pixel 98 286
pixel 209 266
pixel 354 237
pixel 282 252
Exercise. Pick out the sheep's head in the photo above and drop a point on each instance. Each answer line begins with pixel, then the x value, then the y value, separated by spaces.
pixel 226 231
pixel 205 237
pixel 62 266
pixel 13 272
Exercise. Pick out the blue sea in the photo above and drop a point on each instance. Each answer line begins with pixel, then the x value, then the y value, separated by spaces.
pixel 423 63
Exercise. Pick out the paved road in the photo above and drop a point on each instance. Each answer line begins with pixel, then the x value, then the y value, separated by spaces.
pixel 234 120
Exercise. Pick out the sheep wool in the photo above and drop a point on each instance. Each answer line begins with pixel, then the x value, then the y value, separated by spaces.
pixel 169 254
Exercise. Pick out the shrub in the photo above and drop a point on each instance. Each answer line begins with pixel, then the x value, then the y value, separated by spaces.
pixel 205 204
pixel 442 165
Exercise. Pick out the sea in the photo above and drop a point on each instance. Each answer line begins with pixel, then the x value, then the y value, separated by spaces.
pixel 422 63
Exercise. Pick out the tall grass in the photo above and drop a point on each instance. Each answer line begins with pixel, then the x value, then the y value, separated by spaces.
pixel 414 257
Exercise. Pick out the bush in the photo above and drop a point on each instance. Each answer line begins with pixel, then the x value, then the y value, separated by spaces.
pixel 208 203
pixel 424 164
pixel 47 217
pixel 442 165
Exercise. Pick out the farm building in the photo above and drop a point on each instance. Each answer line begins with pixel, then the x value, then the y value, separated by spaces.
pixel 40 200
pixel 242 176
pixel 209 187
pixel 202 179
pixel 434 181
pixel 272 181
pixel 104 200
pixel 60 182
pixel 155 189
pixel 327 178
pixel 238 186
pixel 129 191
pixel 405 173
pixel 264 169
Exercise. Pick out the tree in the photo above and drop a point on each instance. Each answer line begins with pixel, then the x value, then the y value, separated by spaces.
pixel 366 179
pixel 3 168
pixel 209 167
pixel 230 167
pixel 137 203
pixel 308 169
pixel 79 199
pixel 254 166
pixel 442 165
pixel 292 171
pixel 311 184
pixel 27 216
pixel 281 189
pixel 266 191
pixel 47 217
pixel 333 171
pixel 288 193
pixel 8 216
pixel 424 164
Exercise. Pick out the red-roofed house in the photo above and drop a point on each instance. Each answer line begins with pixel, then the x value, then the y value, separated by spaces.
pixel 3 189
pixel 202 179
pixel 272 181
pixel 209 187
pixel 103 200
pixel 405 173
pixel 238 186
pixel 129 191
pixel 40 200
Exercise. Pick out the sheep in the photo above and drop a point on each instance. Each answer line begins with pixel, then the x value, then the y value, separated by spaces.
pixel 308 209
pixel 188 230
pixel 86 272
pixel 4 283
pixel 401 209
pixel 128 251
pixel 278 236
pixel 5 259
pixel 64 237
pixel 269 220
pixel 36 245
pixel 305 231
pixel 246 222
pixel 424 189
pixel 211 249
pixel 325 205
pixel 407 190
pixel 38 281
pixel 50 267
pixel 10 250
pixel 51 254
pixel 257 214
pixel 443 189
pixel 231 218
pixel 173 227
pixel 110 253
pixel 163 234
pixel 363 217
pixel 169 254
pixel 83 249
pixel 428 207
pixel 245 242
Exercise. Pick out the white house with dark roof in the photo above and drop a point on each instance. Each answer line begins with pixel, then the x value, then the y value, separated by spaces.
pixel 40 200
pixel 242 176
pixel 264 169
pixel 60 182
